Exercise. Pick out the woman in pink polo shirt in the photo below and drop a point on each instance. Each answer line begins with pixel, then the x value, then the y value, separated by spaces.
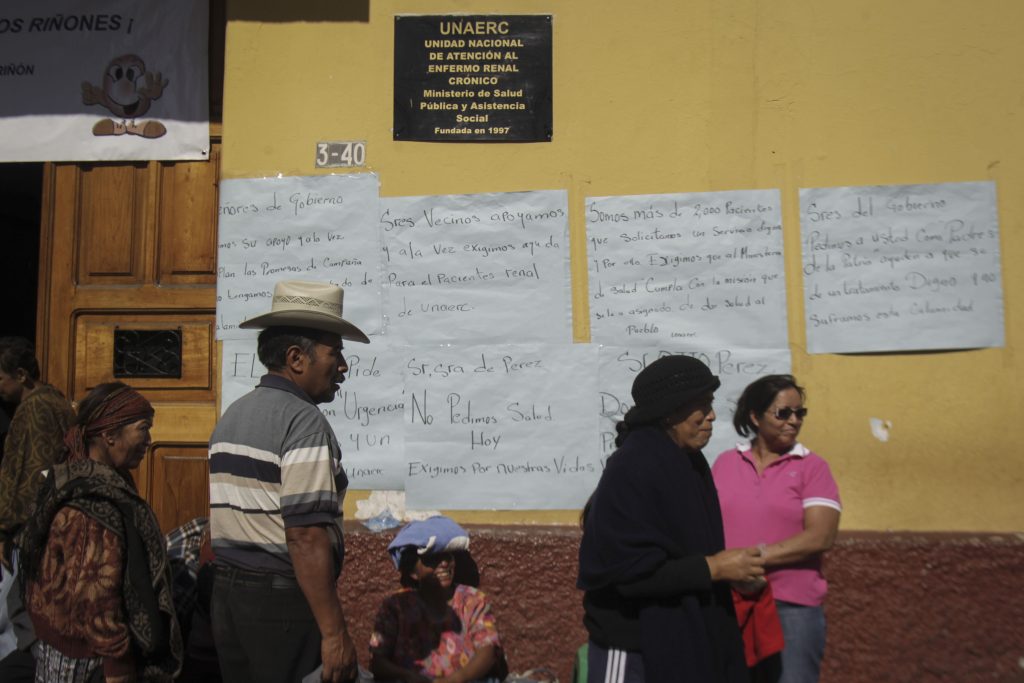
pixel 776 493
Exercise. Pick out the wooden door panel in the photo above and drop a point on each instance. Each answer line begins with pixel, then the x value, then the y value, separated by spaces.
pixel 186 226
pixel 112 204
pixel 94 351
pixel 179 483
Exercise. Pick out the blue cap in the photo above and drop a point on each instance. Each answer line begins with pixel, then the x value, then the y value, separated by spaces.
pixel 438 534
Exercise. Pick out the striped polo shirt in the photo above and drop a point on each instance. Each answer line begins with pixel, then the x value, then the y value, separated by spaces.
pixel 274 463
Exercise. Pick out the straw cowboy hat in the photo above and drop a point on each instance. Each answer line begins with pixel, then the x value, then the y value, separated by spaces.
pixel 315 305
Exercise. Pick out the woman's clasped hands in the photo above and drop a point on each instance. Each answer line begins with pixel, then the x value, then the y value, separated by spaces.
pixel 743 567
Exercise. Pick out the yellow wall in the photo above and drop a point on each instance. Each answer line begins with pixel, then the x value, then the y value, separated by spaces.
pixel 678 96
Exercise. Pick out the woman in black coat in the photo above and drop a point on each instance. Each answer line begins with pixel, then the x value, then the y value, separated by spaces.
pixel 652 561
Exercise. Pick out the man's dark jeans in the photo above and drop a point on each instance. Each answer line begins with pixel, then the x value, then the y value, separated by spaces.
pixel 263 628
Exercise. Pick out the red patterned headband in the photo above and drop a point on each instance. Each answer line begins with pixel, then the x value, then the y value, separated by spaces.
pixel 122 406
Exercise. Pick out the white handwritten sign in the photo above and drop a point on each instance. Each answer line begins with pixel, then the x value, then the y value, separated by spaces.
pixel 903 267
pixel 367 414
pixel 702 268
pixel 501 427
pixel 240 370
pixel 477 268
pixel 319 228
pixel 735 367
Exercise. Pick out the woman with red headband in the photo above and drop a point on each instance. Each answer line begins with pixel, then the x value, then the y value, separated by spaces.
pixel 93 560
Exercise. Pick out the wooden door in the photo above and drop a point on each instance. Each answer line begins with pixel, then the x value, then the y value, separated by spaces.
pixel 128 248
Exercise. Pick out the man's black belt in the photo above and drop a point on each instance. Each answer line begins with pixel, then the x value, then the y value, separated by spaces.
pixel 246 577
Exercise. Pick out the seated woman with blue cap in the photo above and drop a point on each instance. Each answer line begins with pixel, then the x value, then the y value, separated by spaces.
pixel 434 630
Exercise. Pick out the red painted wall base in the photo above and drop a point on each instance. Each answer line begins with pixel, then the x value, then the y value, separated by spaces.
pixel 905 606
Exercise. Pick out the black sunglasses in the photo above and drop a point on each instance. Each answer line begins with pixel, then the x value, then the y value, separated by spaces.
pixel 433 559
pixel 785 413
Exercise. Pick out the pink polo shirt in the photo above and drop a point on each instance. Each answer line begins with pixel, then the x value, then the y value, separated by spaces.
pixel 769 507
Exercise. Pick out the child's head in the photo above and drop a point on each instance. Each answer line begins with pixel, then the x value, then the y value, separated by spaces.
pixel 427 549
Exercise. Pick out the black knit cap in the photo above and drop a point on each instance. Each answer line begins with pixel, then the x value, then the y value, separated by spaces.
pixel 665 385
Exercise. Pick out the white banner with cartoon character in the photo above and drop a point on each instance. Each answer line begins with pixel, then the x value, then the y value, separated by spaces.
pixel 103 80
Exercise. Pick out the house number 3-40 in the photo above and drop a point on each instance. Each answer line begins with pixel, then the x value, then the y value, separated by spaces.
pixel 335 154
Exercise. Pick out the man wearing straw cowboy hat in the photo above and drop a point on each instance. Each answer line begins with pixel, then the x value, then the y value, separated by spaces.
pixel 276 488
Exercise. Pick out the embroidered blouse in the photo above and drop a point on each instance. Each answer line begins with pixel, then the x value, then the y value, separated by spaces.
pixel 405 633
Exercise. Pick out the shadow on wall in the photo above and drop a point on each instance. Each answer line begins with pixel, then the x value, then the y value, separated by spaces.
pixel 319 10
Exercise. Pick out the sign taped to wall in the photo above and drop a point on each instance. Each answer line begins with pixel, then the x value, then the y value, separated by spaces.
pixel 901 267
pixel 501 427
pixel 478 268
pixel 104 81
pixel 318 228
pixel 459 427
pixel 697 269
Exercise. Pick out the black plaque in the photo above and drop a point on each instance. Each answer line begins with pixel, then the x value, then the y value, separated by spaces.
pixel 480 77
pixel 147 353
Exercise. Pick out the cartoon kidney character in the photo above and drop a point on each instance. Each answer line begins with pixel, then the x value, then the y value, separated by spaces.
pixel 128 92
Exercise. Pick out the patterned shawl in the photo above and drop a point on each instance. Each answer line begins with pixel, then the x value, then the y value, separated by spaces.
pixel 110 498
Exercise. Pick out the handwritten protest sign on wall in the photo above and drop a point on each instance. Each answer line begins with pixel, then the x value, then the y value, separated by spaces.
pixel 700 268
pixel 735 367
pixel 477 268
pixel 903 267
pixel 320 228
pixel 367 414
pixel 501 427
